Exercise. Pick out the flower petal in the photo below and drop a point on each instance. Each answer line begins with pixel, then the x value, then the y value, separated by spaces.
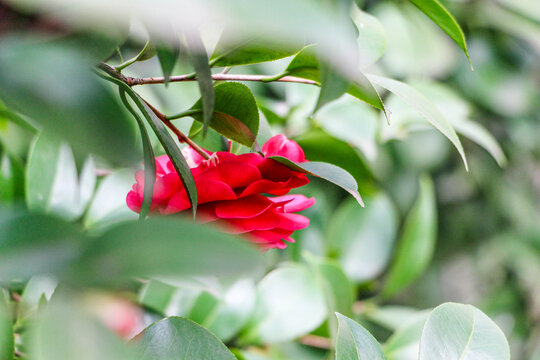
pixel 265 221
pixel 294 203
pixel 279 145
pixel 293 222
pixel 212 190
pixel 134 201
pixel 243 208
pixel 177 203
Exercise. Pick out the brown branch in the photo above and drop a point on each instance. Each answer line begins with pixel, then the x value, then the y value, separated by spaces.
pixel 218 77
pixel 181 136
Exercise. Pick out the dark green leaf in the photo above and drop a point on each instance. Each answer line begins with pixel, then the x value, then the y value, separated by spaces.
pixel 442 17
pixel 167 59
pixel 164 247
pixel 11 178
pixel 7 339
pixel 457 331
pixel 326 171
pixel 176 338
pixel 231 53
pixel 417 241
pixel 306 65
pixel 235 113
pixel 149 159
pixel 52 84
pixel 356 343
pixel 199 58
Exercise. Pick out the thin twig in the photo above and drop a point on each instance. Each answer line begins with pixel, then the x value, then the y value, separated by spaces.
pixel 316 341
pixel 218 77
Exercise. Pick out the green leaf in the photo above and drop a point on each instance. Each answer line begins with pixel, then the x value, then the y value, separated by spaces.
pixel 11 178
pixel 356 343
pixel 168 57
pixel 164 247
pixel 35 244
pixel 306 65
pixel 405 341
pixel 157 295
pixel 52 183
pixel 457 331
pixel 37 288
pixel 424 107
pixel 76 107
pixel 149 159
pixel 442 17
pixel 109 203
pixel 417 241
pixel 177 338
pixel 371 37
pixel 229 52
pixel 66 332
pixel 235 113
pixel 7 339
pixel 213 140
pixel 326 171
pixel 289 302
pixel 363 238
pixel 333 85
pixel 199 59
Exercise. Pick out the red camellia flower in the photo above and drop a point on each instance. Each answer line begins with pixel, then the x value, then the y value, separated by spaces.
pixel 245 194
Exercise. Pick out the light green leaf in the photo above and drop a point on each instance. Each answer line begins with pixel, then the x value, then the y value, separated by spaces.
pixel 235 113
pixel 38 287
pixel 442 17
pixel 148 52
pixel 424 107
pixel 289 303
pixel 363 238
pixel 417 241
pixel 462 332
pixel 326 171
pixel 52 184
pixel 404 344
pixel 371 37
pixel 7 339
pixel 333 85
pixel 356 343
pixel 177 338
pixel 11 178
pixel 168 57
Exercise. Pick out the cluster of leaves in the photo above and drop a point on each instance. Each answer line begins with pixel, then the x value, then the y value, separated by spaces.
pixel 204 288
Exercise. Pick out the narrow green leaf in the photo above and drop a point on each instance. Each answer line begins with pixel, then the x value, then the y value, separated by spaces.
pixel 11 178
pixel 19 119
pixel 177 338
pixel 457 331
pixel 235 113
pixel 326 171
pixel 417 241
pixel 172 150
pixel 149 159
pixel 442 17
pixel 424 107
pixel 306 65
pixel 168 57
pixel 356 343
pixel 7 339
pixel 199 59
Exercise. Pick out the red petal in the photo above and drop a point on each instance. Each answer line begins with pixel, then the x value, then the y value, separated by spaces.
pixel 178 202
pixel 212 190
pixel 243 208
pixel 293 222
pixel 267 220
pixel 134 201
pixel 166 186
pixel 233 173
pixel 294 203
pixel 272 170
pixel 163 165
pixel 279 145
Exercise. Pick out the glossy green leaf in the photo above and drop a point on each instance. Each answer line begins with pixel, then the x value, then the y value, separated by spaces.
pixel 457 331
pixel 167 59
pixel 356 343
pixel 235 113
pixel 229 52
pixel 52 184
pixel 164 247
pixel 149 159
pixel 442 17
pixel 290 303
pixel 11 178
pixel 66 332
pixel 177 338
pixel 35 244
pixel 363 238
pixel 417 241
pixel 424 107
pixel 7 339
pixel 306 65
pixel 199 59
pixel 404 343
pixel 326 171
pixel 109 202
pixel 53 99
